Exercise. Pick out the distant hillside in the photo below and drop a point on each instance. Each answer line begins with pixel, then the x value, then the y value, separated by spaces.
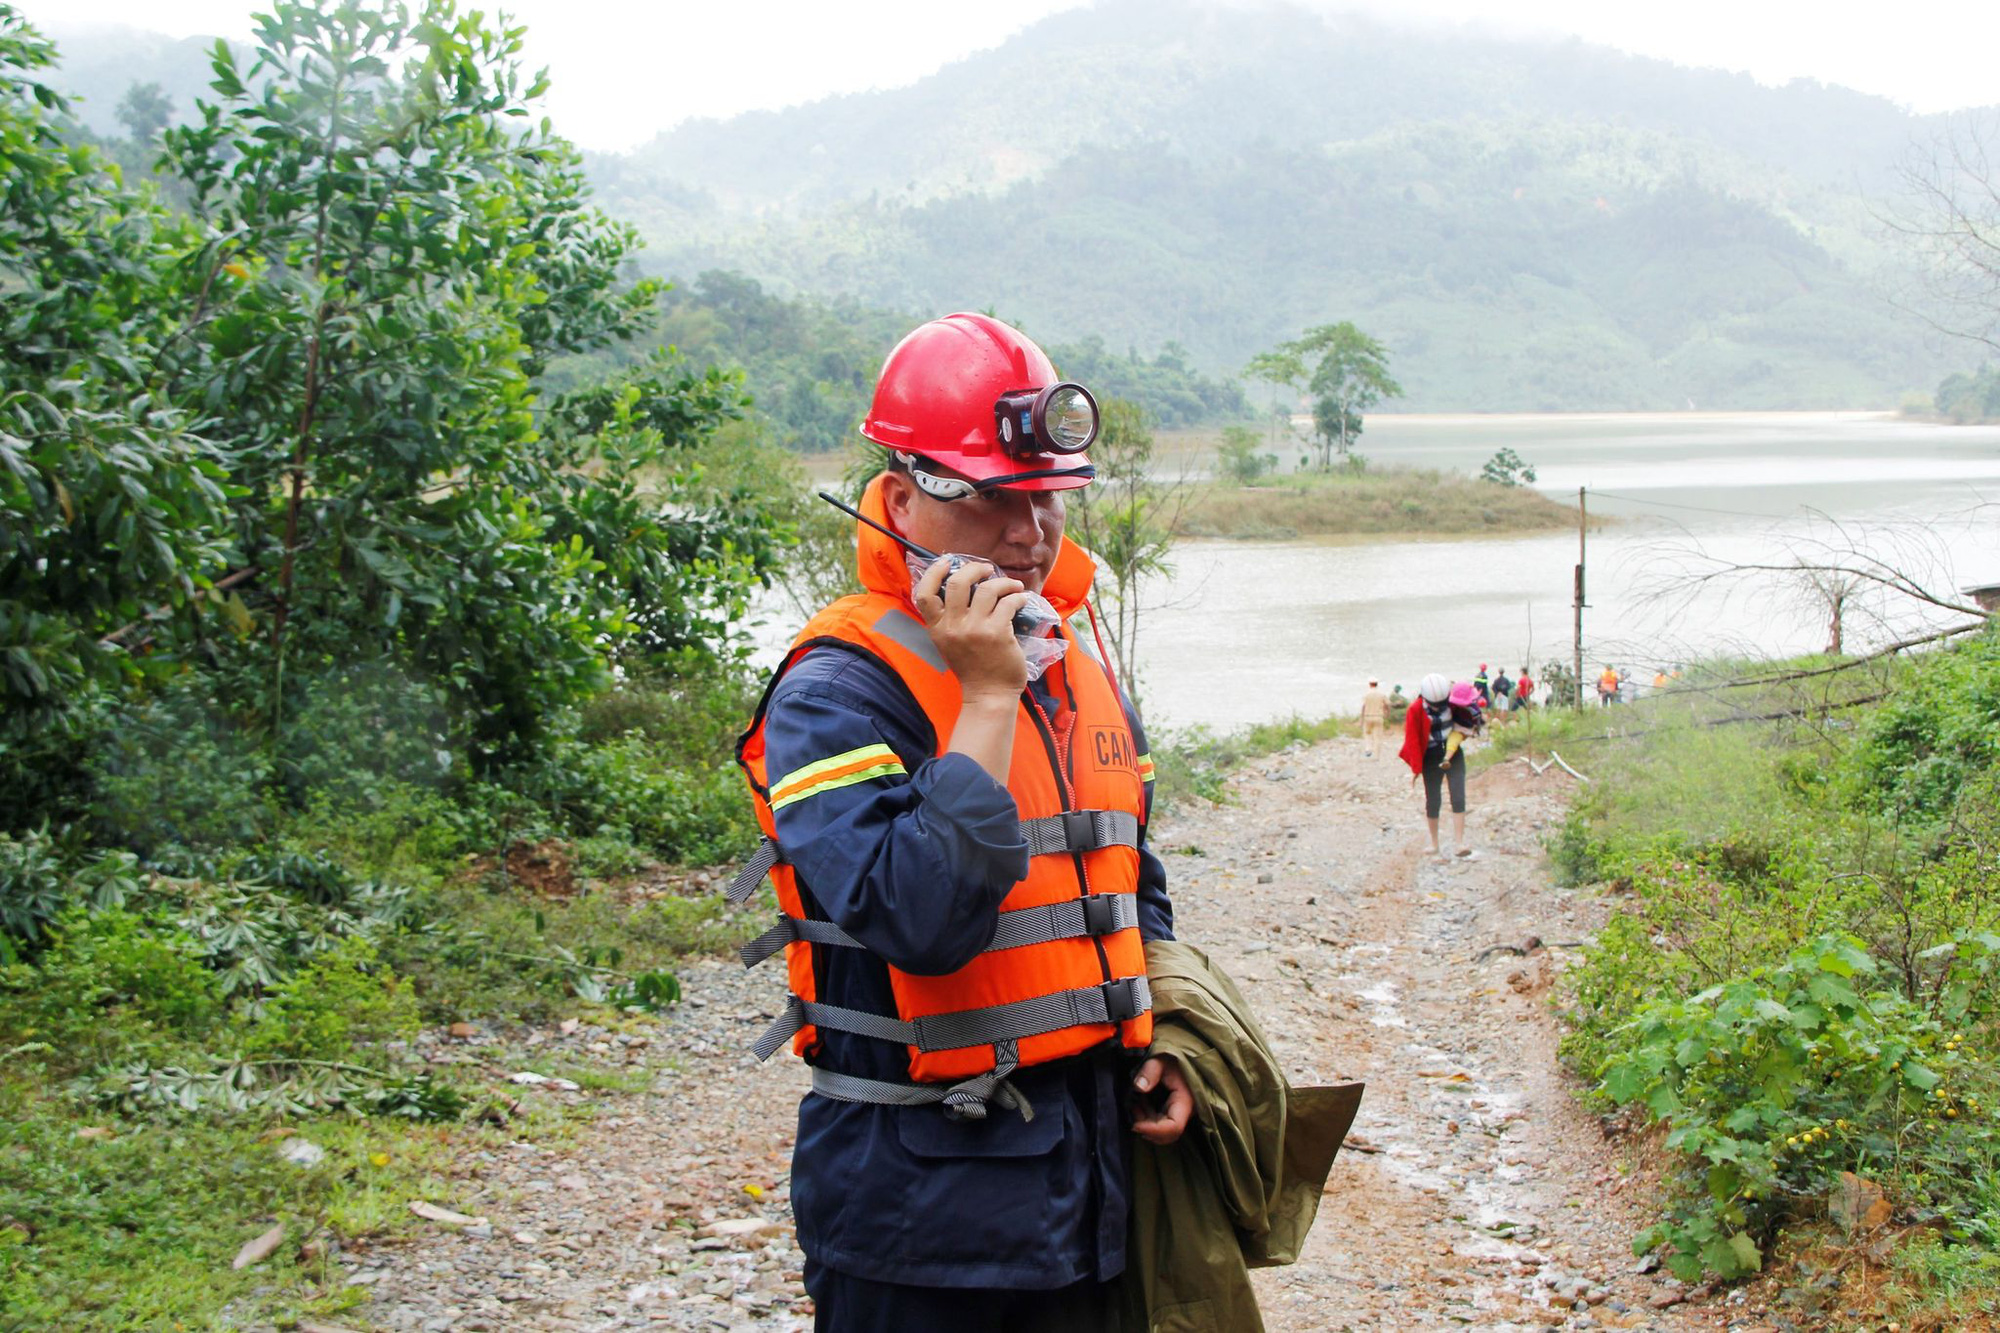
pixel 1528 226
pixel 100 63
pixel 1208 78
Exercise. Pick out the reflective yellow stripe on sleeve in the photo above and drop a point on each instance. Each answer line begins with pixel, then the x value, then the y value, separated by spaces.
pixel 1146 767
pixel 841 770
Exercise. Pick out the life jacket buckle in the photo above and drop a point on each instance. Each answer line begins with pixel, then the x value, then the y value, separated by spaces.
pixel 1100 914
pixel 1122 1001
pixel 1079 830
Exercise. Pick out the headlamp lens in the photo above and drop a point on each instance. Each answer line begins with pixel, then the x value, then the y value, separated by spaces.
pixel 1065 419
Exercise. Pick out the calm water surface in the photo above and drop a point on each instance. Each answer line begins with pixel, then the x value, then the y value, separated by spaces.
pixel 1246 632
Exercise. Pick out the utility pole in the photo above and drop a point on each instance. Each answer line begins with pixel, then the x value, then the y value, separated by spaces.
pixel 1578 645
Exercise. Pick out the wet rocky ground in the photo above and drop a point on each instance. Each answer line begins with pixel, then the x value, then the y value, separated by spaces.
pixel 1476 1191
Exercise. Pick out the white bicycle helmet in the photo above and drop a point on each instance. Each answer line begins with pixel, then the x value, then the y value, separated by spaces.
pixel 1434 688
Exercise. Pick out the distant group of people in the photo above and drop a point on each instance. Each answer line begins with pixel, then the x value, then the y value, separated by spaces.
pixel 1621 687
pixel 1437 724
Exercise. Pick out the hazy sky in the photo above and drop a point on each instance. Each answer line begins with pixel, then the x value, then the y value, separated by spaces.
pixel 625 70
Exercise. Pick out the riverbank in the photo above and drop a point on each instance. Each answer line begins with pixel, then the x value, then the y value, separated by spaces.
pixel 1399 502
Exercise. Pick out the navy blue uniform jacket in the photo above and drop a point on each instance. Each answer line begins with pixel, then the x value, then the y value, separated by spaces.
pixel 914 866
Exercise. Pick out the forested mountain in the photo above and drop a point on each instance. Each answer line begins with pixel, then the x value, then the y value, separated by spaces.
pixel 1526 225
pixel 810 364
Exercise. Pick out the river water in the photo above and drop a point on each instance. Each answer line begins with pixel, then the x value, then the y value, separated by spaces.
pixel 1253 631
pixel 1245 632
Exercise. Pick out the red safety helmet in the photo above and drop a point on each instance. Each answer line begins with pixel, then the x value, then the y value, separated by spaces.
pixel 978 397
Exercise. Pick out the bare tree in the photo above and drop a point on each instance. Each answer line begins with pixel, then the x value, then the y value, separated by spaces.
pixel 1889 584
pixel 1950 215
pixel 1829 592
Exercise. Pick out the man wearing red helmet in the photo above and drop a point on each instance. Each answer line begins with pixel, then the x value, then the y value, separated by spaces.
pixel 958 852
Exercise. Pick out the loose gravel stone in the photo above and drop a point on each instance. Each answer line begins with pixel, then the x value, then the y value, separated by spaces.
pixel 1476 1191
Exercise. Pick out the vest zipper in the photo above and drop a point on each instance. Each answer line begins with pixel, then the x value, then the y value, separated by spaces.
pixel 1048 734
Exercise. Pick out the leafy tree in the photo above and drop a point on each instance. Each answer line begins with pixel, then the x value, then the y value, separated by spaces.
pixel 386 264
pixel 1128 520
pixel 1343 370
pixel 111 501
pixel 1350 374
pixel 1282 369
pixel 300 429
pixel 145 111
pixel 1238 456
pixel 1507 468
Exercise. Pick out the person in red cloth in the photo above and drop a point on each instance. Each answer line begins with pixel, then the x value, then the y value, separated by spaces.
pixel 1426 726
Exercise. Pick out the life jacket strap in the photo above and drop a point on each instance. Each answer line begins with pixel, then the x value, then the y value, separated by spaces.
pixel 968 1100
pixel 759 865
pixel 1080 831
pixel 1076 918
pixel 790 928
pixel 1070 831
pixel 1116 1001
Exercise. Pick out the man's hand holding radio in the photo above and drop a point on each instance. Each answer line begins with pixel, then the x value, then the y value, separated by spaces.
pixel 970 613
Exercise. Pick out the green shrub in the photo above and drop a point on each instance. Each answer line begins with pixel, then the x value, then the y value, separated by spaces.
pixel 1239 459
pixel 110 982
pixel 678 811
pixel 176 770
pixel 39 881
pixel 1933 736
pixel 1775 1083
pixel 366 725
pixel 343 999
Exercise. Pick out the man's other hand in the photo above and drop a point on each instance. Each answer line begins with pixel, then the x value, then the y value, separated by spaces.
pixel 1151 1121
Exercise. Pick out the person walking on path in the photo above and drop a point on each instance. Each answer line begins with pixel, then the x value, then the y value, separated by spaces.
pixel 1374 709
pixel 1426 728
pixel 958 844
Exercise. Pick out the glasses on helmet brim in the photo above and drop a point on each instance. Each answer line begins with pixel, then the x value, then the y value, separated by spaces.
pixel 959 488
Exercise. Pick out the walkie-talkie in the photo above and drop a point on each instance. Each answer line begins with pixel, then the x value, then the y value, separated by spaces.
pixel 1025 621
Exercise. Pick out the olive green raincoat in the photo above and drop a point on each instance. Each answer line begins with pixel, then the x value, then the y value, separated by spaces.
pixel 1241 1188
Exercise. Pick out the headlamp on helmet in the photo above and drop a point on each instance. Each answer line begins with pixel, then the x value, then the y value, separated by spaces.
pixel 1059 419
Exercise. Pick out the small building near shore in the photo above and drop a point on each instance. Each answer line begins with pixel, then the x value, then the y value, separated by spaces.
pixel 1987 595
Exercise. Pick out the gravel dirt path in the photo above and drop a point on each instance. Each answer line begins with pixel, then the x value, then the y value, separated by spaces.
pixel 1476 1191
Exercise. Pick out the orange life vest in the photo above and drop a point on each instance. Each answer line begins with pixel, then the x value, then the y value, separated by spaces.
pixel 1066 970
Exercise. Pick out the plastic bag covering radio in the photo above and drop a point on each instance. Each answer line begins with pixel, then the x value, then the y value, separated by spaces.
pixel 1034 624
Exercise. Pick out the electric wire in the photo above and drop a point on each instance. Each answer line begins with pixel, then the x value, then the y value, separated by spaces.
pixel 1699 509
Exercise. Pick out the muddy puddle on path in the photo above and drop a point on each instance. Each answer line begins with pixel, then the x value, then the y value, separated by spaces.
pixel 1476 1191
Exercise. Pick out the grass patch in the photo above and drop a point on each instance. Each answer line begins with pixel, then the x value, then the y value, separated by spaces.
pixel 137 1231
pixel 513 956
pixel 1399 501
pixel 1195 762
